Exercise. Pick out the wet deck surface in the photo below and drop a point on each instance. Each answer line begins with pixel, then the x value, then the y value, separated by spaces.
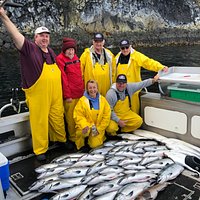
pixel 22 175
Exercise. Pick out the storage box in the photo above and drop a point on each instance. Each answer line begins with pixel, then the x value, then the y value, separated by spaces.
pixel 4 172
pixel 185 92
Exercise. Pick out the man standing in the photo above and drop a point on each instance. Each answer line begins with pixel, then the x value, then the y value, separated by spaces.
pixel 97 63
pixel 119 98
pixel 41 81
pixel 129 62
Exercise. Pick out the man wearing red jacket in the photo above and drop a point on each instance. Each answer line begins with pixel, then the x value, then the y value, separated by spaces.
pixel 72 82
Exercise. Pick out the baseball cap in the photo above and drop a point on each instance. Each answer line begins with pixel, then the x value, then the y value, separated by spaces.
pixel 124 43
pixel 42 29
pixel 121 78
pixel 98 37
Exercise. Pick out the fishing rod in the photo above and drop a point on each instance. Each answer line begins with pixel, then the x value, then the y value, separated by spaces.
pixel 8 3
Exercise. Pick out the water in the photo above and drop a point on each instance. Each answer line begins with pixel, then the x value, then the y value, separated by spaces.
pixel 169 56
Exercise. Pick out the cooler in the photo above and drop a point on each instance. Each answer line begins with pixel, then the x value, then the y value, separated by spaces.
pixel 4 172
pixel 180 83
pixel 185 92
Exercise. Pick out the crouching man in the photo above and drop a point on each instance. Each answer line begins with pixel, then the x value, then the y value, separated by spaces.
pixel 119 98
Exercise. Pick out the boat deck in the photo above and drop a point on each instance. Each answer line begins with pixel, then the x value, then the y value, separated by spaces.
pixel 22 175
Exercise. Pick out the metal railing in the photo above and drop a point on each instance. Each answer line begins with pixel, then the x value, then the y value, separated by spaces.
pixel 15 103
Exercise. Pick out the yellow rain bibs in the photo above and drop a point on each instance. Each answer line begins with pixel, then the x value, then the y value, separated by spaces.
pixel 102 75
pixel 124 113
pixel 93 141
pixel 131 77
pixel 45 103
pixel 69 109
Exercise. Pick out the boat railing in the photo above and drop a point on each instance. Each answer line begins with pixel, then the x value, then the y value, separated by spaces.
pixel 15 103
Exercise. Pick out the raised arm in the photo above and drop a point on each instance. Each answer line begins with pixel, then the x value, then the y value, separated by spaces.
pixel 17 37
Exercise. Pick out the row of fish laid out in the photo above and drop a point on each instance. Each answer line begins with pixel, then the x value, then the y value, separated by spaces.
pixel 137 167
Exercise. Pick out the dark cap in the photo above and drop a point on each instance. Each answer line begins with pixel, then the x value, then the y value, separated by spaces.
pixel 124 43
pixel 98 37
pixel 121 78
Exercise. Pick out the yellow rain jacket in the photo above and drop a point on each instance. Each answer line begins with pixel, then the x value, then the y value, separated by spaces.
pixel 103 74
pixel 44 99
pixel 132 70
pixel 85 116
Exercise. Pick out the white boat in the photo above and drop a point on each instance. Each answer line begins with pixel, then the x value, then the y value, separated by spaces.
pixel 168 117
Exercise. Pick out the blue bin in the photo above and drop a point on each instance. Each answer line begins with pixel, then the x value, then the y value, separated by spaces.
pixel 4 172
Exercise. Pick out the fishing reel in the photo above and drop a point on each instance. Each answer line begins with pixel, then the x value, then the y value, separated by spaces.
pixel 9 3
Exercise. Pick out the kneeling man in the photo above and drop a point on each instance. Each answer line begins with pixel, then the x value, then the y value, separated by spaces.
pixel 119 98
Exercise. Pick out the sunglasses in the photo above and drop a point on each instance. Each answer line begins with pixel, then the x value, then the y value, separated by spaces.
pixel 122 48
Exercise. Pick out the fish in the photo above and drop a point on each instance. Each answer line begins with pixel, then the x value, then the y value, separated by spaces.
pixel 150 159
pixel 110 160
pixel 46 167
pixel 130 171
pixel 96 157
pixel 110 143
pixel 138 150
pixel 114 150
pixel 127 154
pixel 180 158
pixel 125 142
pixel 154 171
pixel 105 187
pixel 69 161
pixel 159 163
pixel 102 150
pixel 127 148
pixel 150 135
pixel 86 195
pixel 43 181
pixel 88 178
pixel 183 143
pixel 137 177
pixel 84 163
pixel 60 184
pixel 104 177
pixel 69 193
pixel 107 196
pixel 111 169
pixel 155 148
pixel 134 166
pixel 96 167
pixel 182 148
pixel 129 161
pixel 145 143
pixel 169 172
pixel 129 136
pixel 51 172
pixel 152 192
pixel 65 156
pixel 73 172
pixel 159 153
pixel 132 190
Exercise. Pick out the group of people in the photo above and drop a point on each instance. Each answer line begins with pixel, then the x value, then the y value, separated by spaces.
pixel 97 94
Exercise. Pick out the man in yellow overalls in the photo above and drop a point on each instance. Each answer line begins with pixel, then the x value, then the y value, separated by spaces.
pixel 97 63
pixel 129 62
pixel 41 81
pixel 119 98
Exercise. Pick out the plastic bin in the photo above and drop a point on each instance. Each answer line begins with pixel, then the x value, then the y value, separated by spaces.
pixel 185 92
pixel 4 172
